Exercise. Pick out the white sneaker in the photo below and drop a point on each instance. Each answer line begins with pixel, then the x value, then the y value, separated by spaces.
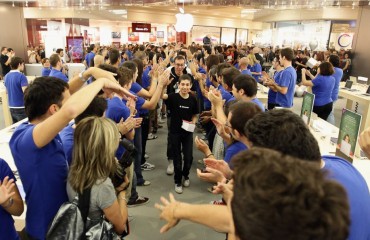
pixel 186 183
pixel 147 166
pixel 170 168
pixel 146 156
pixel 178 189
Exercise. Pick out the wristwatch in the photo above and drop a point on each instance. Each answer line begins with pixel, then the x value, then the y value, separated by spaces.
pixel 80 75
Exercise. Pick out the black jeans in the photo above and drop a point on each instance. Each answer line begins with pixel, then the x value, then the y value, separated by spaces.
pixel 144 136
pixel 17 114
pixel 182 141
pixel 169 145
pixel 323 111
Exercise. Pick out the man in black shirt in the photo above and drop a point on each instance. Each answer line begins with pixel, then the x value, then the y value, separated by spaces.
pixel 184 109
pixel 176 71
pixel 5 60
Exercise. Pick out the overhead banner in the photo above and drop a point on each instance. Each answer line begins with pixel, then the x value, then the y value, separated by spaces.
pixel 141 27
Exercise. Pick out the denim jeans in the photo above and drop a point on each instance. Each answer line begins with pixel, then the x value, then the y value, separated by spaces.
pixel 144 136
pixel 134 195
pixel 18 114
pixel 182 143
pixel 137 163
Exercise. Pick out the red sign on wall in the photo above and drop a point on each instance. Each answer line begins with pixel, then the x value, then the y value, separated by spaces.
pixel 141 27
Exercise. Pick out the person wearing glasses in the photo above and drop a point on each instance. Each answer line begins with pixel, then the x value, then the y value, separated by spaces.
pixel 177 71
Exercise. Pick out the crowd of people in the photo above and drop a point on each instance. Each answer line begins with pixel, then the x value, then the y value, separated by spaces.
pixel 83 133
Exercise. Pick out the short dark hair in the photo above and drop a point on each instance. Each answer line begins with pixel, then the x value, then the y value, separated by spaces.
pixel 114 56
pixel 109 68
pixel 221 57
pixel 179 57
pixel 15 61
pixel 2 48
pixel 185 77
pixel 92 46
pixel 287 53
pixel 247 83
pixel 97 108
pixel 229 75
pixel 54 59
pixel 279 197
pixel 43 61
pixel 334 60
pixel 221 66
pixel 283 131
pixel 242 112
pixel 59 50
pixel 212 60
pixel 41 94
pixel 130 65
pixel 326 69
pixel 126 74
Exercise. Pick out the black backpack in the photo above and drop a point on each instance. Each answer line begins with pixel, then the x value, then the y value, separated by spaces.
pixel 70 220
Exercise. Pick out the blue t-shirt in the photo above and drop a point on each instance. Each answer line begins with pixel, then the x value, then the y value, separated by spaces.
pixel 272 94
pixel 58 74
pixel 45 72
pixel 230 99
pixel 338 74
pixel 129 55
pixel 256 68
pixel 246 71
pixel 135 87
pixel 14 81
pixel 43 172
pixel 67 139
pixel 7 228
pixel 259 103
pixel 225 94
pixel 322 88
pixel 288 79
pixel 138 105
pixel 89 57
pixel 116 110
pixel 358 194
pixel 206 103
pixel 145 79
pixel 233 149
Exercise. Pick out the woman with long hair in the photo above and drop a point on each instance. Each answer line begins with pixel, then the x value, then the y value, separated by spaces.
pixel 255 67
pixel 95 143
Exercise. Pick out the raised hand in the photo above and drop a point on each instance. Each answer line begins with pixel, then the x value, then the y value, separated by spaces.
pixel 211 175
pixel 168 208
pixel 201 145
pixel 6 189
pixel 219 165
